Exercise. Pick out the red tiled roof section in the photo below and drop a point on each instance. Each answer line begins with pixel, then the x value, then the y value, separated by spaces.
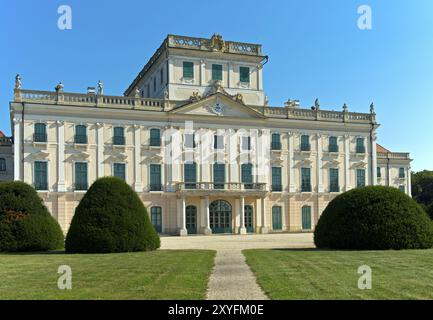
pixel 2 135
pixel 381 149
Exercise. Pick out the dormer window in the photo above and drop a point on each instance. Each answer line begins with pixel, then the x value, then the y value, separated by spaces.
pixel 188 70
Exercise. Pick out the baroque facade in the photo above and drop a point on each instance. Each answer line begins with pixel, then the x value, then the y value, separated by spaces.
pixel 194 136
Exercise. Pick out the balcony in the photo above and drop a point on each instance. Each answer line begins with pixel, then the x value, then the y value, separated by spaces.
pixel 155 187
pixel 231 187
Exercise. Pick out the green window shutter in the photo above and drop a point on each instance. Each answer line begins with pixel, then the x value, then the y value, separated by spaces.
pixel 217 72
pixel 333 146
pixel 40 134
pixel 155 177
pixel 401 173
pixel 81 176
pixel 360 177
pixel 244 74
pixel 247 173
pixel 155 137
pixel 333 177
pixel 41 175
pixel 119 171
pixel 276 141
pixel 119 136
pixel 80 134
pixel 156 218
pixel 305 143
pixel 219 175
pixel 218 142
pixel 276 179
pixel 379 173
pixel 306 217
pixel 305 180
pixel 2 164
pixel 360 148
pixel 190 172
pixel 402 188
pixel 188 70
pixel 276 218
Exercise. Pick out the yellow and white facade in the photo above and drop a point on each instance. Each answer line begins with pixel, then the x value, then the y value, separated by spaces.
pixel 194 136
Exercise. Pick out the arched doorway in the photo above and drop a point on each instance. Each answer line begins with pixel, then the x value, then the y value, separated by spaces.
pixel 249 222
pixel 220 215
pixel 191 219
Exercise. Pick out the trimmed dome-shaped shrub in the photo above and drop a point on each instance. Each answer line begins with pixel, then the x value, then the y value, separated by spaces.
pixel 111 218
pixel 374 218
pixel 25 223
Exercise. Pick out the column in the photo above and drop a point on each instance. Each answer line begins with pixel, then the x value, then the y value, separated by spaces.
pixel 346 162
pixel 202 72
pixel 182 229
pixel 291 162
pixel 264 228
pixel 137 159
pixel 17 149
pixel 61 156
pixel 229 74
pixel 373 159
pixel 242 229
pixel 205 205
pixel 319 163
pixel 409 182
pixel 100 149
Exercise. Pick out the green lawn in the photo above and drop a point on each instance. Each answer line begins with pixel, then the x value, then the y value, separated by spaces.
pixel 316 274
pixel 162 274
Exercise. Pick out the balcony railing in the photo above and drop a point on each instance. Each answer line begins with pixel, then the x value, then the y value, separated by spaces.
pixel 277 188
pixel 155 187
pixel 231 186
pixel 41 185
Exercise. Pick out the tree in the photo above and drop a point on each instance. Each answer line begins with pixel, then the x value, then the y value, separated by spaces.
pixel 422 187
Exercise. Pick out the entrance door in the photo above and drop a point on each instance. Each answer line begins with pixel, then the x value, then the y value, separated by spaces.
pixel 276 218
pixel 156 218
pixel 249 223
pixel 306 218
pixel 220 215
pixel 191 219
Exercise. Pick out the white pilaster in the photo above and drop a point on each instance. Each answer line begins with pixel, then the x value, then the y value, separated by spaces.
pixel 409 182
pixel 291 162
pixel 17 149
pixel 100 149
pixel 138 187
pixel 205 202
pixel 61 156
pixel 202 72
pixel 319 163
pixel 346 162
pixel 264 228
pixel 182 230
pixel 373 160
pixel 242 229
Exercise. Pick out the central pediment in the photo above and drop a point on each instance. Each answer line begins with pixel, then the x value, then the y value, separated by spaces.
pixel 218 105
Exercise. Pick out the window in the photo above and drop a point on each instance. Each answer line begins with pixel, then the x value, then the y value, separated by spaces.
pixel 401 173
pixel 154 83
pixel 189 140
pixel 188 70
pixel 378 172
pixel 217 72
pixel 119 136
pixel 119 171
pixel 247 175
pixel 333 180
pixel 155 177
pixel 244 74
pixel 155 137
pixel 305 180
pixel 275 141
pixel 80 176
pixel 276 179
pixel 2 164
pixel 161 76
pixel 41 175
pixel 402 188
pixel 190 172
pixel 80 134
pixel 277 218
pixel 219 175
pixel 360 178
pixel 333 146
pixel 305 143
pixel 246 143
pixel 218 142
pixel 156 218
pixel 306 218
pixel 40 132
pixel 360 148
pixel 148 90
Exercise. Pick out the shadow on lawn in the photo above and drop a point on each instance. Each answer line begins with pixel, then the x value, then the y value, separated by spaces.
pixel 35 253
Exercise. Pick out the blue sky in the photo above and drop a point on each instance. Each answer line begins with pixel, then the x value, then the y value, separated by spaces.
pixel 316 50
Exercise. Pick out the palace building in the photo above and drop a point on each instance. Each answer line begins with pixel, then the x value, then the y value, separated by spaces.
pixel 194 136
